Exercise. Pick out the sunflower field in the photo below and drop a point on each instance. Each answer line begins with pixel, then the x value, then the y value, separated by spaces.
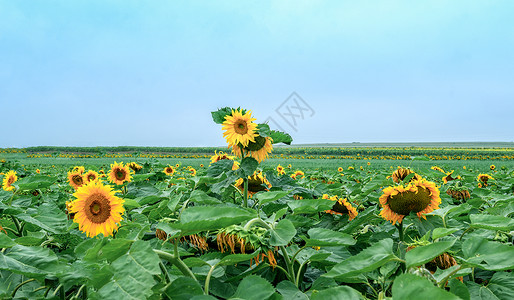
pixel 240 224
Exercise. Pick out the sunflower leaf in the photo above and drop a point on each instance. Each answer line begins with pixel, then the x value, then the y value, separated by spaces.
pixel 339 292
pixel 281 137
pixel 410 286
pixel 203 218
pixel 219 116
pixel 254 287
pixel 424 254
pixel 263 130
pixel 248 166
pixel 283 233
pixel 323 237
pixel 491 222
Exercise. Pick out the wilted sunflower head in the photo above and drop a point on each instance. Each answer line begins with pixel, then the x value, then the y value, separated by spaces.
pixel 119 173
pixel 169 170
pixel 419 196
pixel 9 179
pixel 341 207
pixel 97 209
pixel 76 179
pixel 401 173
pixel 239 128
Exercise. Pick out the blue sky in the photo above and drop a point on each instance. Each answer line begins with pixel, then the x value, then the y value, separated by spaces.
pixel 148 73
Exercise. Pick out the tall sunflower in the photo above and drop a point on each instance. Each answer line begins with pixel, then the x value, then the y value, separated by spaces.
pixel 97 209
pixel 76 179
pixel 259 149
pixel 341 207
pixel 239 128
pixel 9 179
pixel 419 196
pixel 119 173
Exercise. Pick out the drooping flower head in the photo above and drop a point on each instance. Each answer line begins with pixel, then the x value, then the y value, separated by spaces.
pixel 97 209
pixel 419 196
pixel 134 166
pixel 256 183
pixel 341 207
pixel 119 173
pixel 259 149
pixel 401 173
pixel 221 156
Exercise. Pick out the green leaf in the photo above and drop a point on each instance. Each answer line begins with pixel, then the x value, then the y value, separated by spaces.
pixel 33 262
pixel 5 241
pixel 35 182
pixel 201 197
pixel 266 197
pixel 410 286
pixel 442 232
pixel 367 260
pixel 491 222
pixel 488 255
pixel 48 217
pixel 423 254
pixel 133 274
pixel 289 291
pixel 254 287
pixel 500 287
pixel 233 259
pixel 248 167
pixel 459 289
pixel 114 249
pixel 283 233
pixel 183 288
pixel 130 203
pixel 281 137
pixel 263 130
pixel 219 116
pixel 323 237
pixel 336 293
pixel 310 206
pixel 203 218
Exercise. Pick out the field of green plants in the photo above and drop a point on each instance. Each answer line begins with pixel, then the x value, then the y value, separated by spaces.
pixel 255 224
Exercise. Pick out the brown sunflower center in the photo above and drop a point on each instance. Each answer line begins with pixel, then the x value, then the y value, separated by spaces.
pixel 339 207
pixel 10 180
pixel 240 127
pixel 120 174
pixel 484 179
pixel 97 208
pixel 91 177
pixel 169 170
pixel 77 179
pixel 404 203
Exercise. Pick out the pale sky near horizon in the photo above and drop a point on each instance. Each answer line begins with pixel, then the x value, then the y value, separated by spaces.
pixel 148 73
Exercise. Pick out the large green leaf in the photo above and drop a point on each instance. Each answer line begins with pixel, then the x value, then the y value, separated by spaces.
pixel 33 262
pixel 289 291
pixel 337 293
pixel 310 206
pixel 203 218
pixel 410 286
pixel 232 259
pixel 491 222
pixel 323 237
pixel 488 255
pixel 442 232
pixel 283 233
pixel 201 197
pixel 423 254
pixel 133 276
pixel 35 182
pixel 183 288
pixel 48 217
pixel 266 197
pixel 281 137
pixel 5 241
pixel 219 116
pixel 501 287
pixel 254 287
pixel 367 260
pixel 247 167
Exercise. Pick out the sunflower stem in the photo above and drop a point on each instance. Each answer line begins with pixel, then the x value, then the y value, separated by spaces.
pixel 20 285
pixel 297 282
pixel 177 262
pixel 208 280
pixel 245 192
pixel 289 266
pixel 19 228
pixel 254 221
pixel 401 244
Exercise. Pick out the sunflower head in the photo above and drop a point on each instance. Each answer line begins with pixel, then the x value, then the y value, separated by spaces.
pixel 239 128
pixel 436 168
pixel 38 171
pixel 76 179
pixel 134 166
pixel 91 176
pixel 9 179
pixel 298 174
pixel 258 149
pixel 97 209
pixel 401 173
pixel 256 183
pixel 79 169
pixel 280 170
pixel 169 170
pixel 419 196
pixel 119 173
pixel 492 167
pixel 340 169
pixel 341 207
pixel 484 178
